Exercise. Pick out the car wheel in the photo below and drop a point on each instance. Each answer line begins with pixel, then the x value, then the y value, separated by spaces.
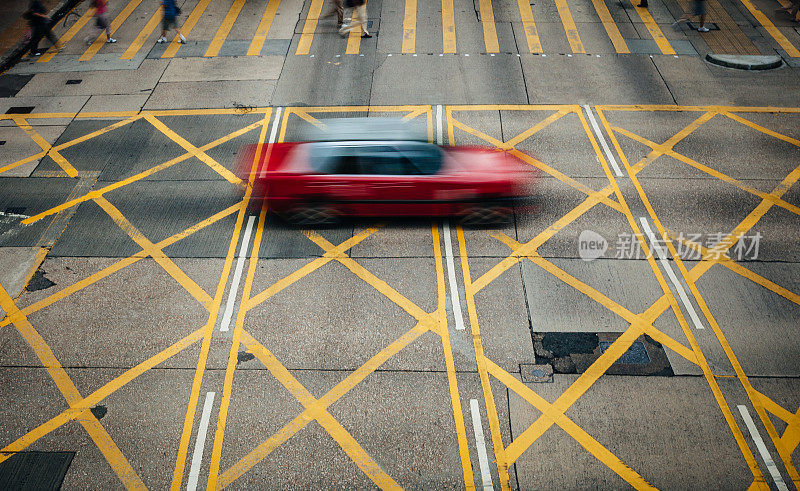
pixel 313 214
pixel 485 215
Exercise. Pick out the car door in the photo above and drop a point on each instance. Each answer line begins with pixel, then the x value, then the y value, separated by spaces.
pixel 337 178
pixel 399 185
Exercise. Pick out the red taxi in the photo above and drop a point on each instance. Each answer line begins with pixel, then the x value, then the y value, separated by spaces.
pixel 384 167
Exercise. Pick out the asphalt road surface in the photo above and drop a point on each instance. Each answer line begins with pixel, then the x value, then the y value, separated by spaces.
pixel 640 328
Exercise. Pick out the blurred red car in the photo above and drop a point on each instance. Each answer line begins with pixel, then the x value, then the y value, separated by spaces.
pixel 382 167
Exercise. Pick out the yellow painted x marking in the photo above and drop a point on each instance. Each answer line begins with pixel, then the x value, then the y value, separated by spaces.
pixel 719 249
pixel 119 184
pixel 104 443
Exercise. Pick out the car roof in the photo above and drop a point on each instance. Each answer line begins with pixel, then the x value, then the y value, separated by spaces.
pixel 369 129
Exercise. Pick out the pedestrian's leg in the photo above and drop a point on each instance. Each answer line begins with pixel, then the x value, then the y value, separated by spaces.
pixel 36 36
pixel 339 13
pixel 52 38
pixel 702 27
pixel 362 19
pixel 347 25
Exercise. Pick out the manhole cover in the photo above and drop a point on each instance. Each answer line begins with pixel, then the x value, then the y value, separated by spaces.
pixel 636 354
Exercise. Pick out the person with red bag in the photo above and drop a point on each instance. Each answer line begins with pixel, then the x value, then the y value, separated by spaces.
pixel 100 22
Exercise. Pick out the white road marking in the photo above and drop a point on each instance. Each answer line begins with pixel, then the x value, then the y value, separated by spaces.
pixel 237 275
pixel 762 449
pixel 9 217
pixel 451 278
pixel 439 135
pixel 662 258
pixel 599 134
pixel 200 443
pixel 275 123
pixel 483 458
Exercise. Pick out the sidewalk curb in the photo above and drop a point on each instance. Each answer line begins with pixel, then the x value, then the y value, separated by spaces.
pixel 10 58
pixel 745 62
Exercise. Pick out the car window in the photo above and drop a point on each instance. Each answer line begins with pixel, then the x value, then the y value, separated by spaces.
pixel 426 158
pixel 397 159
pixel 334 159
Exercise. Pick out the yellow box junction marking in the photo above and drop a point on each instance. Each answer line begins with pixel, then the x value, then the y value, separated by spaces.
pixel 410 27
pixel 263 28
pixel 524 440
pixel 115 24
pixel 641 323
pixel 723 247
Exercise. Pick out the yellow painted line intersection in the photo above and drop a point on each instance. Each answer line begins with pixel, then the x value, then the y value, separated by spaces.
pixel 426 324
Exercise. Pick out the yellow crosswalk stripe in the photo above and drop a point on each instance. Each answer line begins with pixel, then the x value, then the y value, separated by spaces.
pixel 354 38
pixel 448 27
pixel 410 27
pixel 186 28
pixel 654 30
pixel 224 28
pixel 569 27
pixel 773 31
pixel 115 24
pixel 263 28
pixel 610 26
pixel 489 27
pixel 529 26
pixel 148 29
pixel 71 32
pixel 307 37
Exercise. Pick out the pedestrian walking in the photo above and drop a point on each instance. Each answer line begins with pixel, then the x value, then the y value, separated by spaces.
pixel 698 9
pixel 791 10
pixel 355 8
pixel 40 26
pixel 171 13
pixel 338 9
pixel 100 22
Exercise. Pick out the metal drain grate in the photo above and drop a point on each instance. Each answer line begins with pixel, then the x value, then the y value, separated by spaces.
pixel 35 470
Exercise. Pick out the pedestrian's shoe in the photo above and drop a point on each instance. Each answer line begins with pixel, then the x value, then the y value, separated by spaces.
pixel 366 35
pixel 702 29
pixel 162 40
pixel 643 5
pixel 111 40
pixel 183 39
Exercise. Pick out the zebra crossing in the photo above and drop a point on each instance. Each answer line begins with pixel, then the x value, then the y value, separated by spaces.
pixel 301 27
